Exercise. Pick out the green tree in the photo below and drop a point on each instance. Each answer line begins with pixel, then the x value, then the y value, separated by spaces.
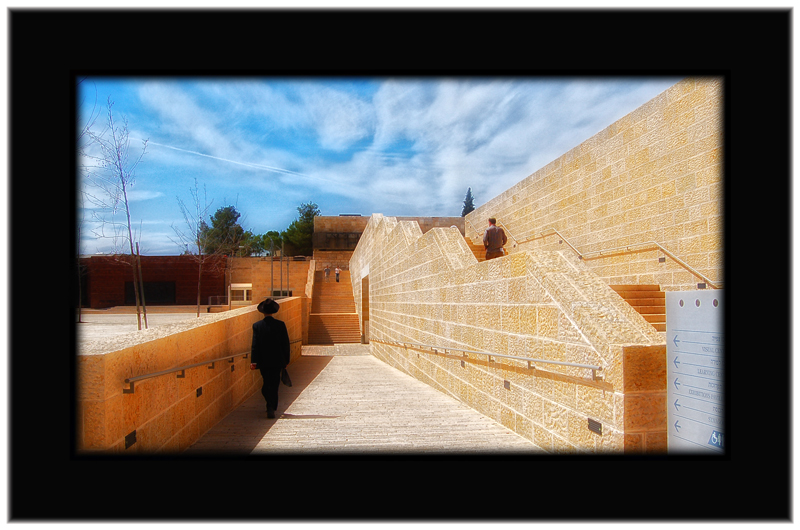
pixel 225 234
pixel 271 240
pixel 469 204
pixel 299 234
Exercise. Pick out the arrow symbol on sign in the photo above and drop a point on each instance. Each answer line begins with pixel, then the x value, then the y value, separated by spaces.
pixel 676 362
pixel 677 427
pixel 677 384
pixel 675 341
pixel 677 407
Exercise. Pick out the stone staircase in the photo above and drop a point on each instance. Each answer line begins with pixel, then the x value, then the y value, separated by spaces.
pixel 648 300
pixel 477 250
pixel 333 318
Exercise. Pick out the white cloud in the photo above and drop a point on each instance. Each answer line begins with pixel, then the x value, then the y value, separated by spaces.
pixel 181 117
pixel 339 118
pixel 143 195
pixel 268 143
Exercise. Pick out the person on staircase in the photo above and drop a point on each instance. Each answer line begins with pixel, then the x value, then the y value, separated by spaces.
pixel 270 352
pixel 494 238
pixel 337 271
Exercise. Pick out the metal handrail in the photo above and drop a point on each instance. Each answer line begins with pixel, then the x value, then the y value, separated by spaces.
pixel 665 251
pixel 556 232
pixel 626 248
pixel 182 369
pixel 507 232
pixel 593 367
pixel 470 224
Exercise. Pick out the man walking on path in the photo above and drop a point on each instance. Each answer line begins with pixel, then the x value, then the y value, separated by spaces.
pixel 269 352
pixel 494 238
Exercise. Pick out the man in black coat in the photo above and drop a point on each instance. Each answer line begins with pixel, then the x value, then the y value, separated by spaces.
pixel 270 352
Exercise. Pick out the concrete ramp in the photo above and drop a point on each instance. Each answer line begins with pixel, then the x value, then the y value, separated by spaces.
pixel 343 400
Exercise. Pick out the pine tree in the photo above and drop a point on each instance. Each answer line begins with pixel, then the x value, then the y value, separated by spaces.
pixel 468 203
pixel 299 234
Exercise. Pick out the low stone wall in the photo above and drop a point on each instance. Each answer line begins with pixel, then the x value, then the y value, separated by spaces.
pixel 166 414
pixel 430 289
pixel 308 299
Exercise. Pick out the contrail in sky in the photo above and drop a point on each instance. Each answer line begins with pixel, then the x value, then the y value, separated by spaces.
pixel 256 166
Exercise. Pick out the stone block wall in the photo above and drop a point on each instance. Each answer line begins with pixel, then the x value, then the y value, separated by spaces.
pixel 340 223
pixel 332 258
pixel 429 289
pixel 258 272
pixel 167 413
pixel 654 175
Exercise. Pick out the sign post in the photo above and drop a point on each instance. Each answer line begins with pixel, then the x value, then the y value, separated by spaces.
pixel 695 373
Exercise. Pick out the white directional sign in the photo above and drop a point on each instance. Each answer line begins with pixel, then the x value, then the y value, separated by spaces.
pixel 695 374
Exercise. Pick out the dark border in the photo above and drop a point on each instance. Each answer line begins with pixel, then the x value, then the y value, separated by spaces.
pixel 750 47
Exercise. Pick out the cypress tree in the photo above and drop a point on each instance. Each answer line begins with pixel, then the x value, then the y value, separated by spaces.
pixel 468 203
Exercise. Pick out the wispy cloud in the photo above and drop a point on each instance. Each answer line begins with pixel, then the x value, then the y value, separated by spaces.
pixel 398 146
pixel 246 164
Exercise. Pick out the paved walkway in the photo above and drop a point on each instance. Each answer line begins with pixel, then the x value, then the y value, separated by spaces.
pixel 344 400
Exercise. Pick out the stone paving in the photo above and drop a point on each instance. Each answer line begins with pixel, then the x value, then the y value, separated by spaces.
pixel 343 400
pixel 96 325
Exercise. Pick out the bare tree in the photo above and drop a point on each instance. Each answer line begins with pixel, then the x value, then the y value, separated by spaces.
pixel 195 239
pixel 111 179
pixel 81 270
pixel 83 141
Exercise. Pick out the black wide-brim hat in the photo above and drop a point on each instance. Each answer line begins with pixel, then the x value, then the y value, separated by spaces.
pixel 268 306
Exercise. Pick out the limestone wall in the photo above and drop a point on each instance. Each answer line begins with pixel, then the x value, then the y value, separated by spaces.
pixel 332 259
pixel 430 289
pixel 308 299
pixel 165 412
pixel 340 223
pixel 258 272
pixel 654 175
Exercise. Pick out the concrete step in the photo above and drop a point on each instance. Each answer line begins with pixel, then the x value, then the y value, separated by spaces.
pixel 333 318
pixel 641 294
pixel 645 287
pixel 648 300
pixel 656 302
pixel 477 250
pixel 333 328
pixel 650 310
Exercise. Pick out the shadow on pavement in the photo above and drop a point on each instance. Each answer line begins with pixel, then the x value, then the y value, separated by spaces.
pixel 240 431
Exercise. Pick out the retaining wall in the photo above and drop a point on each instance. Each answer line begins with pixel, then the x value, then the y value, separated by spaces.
pixel 430 289
pixel 167 414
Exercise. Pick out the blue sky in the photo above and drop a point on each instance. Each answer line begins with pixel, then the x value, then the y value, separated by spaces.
pixel 396 146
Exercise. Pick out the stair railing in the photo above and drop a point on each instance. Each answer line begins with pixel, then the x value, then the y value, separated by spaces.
pixel 648 245
pixel 551 231
pixel 444 349
pixel 473 228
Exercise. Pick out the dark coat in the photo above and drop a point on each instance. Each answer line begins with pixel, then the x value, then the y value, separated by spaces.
pixel 270 347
